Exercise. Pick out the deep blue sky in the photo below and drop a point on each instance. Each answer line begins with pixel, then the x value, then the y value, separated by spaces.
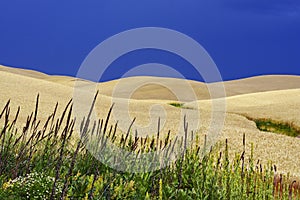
pixel 244 37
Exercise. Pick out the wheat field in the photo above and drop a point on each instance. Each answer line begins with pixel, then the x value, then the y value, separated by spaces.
pixel 274 97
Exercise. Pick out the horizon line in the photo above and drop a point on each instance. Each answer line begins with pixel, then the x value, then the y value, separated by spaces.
pixel 155 76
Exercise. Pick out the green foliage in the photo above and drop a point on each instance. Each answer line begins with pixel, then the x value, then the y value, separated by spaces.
pixel 48 163
pixel 32 186
pixel 178 105
pixel 284 128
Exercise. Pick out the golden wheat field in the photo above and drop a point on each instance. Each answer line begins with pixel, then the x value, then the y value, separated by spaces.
pixel 273 97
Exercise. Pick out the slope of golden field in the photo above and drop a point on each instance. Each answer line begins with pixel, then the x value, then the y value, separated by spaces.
pixel 235 87
pixel 281 105
pixel 24 72
pixel 151 101
pixel 157 87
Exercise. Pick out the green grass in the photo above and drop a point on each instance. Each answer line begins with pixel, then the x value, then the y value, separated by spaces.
pixel 270 125
pixel 44 162
pixel 180 105
pixel 177 105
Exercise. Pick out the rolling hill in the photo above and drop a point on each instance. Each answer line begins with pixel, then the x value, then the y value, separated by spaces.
pixel 276 97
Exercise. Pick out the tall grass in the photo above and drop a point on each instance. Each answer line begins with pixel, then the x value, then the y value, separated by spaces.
pixel 47 161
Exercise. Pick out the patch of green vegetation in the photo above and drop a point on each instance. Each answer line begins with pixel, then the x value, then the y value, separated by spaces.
pixel 177 105
pixel 284 128
pixel 180 105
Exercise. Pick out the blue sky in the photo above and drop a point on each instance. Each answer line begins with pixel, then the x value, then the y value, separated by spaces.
pixel 244 38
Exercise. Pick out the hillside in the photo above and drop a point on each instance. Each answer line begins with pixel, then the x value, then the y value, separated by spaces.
pixel 274 97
